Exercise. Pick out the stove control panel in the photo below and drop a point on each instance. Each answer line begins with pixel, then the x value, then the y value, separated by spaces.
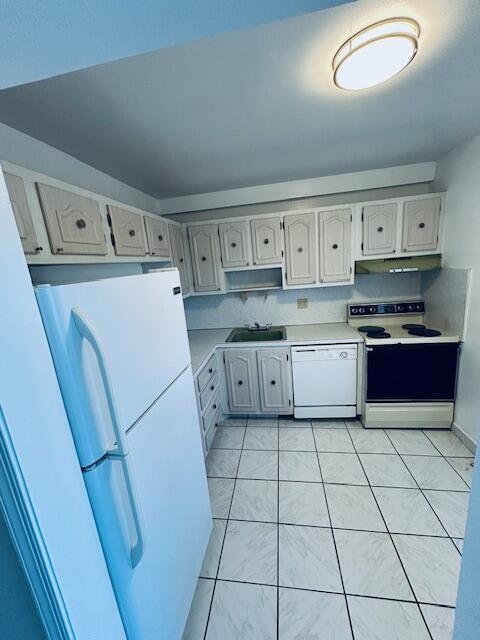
pixel 386 308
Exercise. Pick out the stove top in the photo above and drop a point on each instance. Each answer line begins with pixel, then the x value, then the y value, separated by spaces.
pixel 401 323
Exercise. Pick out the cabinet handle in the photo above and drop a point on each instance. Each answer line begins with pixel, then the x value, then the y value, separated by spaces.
pixel 212 387
pixel 204 259
pixel 214 406
pixel 160 237
pixel 334 246
pixel 210 370
pixel 38 249
pixel 421 225
pixel 81 224
pixel 273 382
pixel 234 244
pixel 240 382
pixel 300 249
pixel 380 229
pixel 181 259
pixel 59 249
pixel 131 232
pixel 266 241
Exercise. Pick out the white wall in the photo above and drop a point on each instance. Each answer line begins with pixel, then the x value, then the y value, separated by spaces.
pixel 18 148
pixel 280 307
pixel 458 173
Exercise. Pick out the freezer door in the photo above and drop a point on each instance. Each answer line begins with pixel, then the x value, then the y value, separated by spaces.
pixel 168 473
pixel 139 325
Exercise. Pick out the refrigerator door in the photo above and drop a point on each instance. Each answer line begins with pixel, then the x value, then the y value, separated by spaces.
pixel 166 462
pixel 138 323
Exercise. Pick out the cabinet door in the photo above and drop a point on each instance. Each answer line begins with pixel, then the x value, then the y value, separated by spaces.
pixel 128 232
pixel 335 245
pixel 379 228
pixel 266 241
pixel 21 211
pixel 74 223
pixel 275 380
pixel 157 236
pixel 205 252
pixel 234 243
pixel 300 243
pixel 242 382
pixel 179 256
pixel 420 224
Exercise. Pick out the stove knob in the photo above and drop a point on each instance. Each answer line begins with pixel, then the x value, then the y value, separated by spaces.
pixel 361 310
pixel 354 310
pixel 372 309
pixel 411 307
pixel 400 308
pixel 418 307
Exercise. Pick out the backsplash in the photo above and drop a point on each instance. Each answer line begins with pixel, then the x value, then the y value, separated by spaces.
pixel 327 304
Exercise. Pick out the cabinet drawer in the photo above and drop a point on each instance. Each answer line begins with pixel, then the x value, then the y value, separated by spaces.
pixel 211 412
pixel 209 436
pixel 205 374
pixel 209 390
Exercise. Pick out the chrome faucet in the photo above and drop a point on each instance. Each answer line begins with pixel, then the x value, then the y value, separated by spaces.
pixel 258 327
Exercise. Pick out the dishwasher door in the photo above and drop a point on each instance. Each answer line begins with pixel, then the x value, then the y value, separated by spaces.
pixel 325 381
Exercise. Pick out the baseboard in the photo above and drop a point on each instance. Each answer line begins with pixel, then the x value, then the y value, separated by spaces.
pixel 464 437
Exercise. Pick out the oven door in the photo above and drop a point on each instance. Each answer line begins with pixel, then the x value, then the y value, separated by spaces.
pixel 412 373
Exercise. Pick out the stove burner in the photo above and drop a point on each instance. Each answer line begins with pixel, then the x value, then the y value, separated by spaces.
pixel 425 333
pixel 378 334
pixel 413 326
pixel 371 328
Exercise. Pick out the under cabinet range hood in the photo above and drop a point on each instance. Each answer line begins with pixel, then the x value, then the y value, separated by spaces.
pixel 399 265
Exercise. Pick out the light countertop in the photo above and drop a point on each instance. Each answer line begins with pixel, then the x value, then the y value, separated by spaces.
pixel 204 341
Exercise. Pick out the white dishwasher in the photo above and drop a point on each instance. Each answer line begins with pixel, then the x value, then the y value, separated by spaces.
pixel 325 381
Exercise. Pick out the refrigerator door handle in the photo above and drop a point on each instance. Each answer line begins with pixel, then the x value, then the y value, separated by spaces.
pixel 120 451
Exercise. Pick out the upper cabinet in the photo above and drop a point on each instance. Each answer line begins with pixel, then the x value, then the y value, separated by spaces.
pixel 73 222
pixel 335 250
pixel 421 220
pixel 300 245
pixel 379 228
pixel 235 244
pixel 128 235
pixel 157 236
pixel 266 240
pixel 205 254
pixel 179 255
pixel 23 215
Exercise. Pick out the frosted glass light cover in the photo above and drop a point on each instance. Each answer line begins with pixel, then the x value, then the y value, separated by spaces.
pixel 375 54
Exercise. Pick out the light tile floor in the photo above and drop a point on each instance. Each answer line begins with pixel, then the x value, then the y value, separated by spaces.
pixel 325 530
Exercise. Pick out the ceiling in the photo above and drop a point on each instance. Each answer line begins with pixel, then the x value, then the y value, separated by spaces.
pixel 42 39
pixel 258 106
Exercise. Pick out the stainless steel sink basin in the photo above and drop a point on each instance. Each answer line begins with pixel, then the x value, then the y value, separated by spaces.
pixel 257 335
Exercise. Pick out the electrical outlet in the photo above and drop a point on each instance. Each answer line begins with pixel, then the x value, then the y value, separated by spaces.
pixel 302 303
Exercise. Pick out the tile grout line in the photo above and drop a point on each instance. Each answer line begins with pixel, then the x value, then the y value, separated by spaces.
pixel 391 537
pixel 223 543
pixel 332 534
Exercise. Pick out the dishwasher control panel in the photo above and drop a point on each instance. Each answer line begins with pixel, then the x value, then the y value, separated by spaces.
pixel 324 352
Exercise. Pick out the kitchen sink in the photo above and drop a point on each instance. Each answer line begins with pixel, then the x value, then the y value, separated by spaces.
pixel 244 334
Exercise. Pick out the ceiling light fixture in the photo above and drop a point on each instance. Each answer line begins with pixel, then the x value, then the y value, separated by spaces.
pixel 376 54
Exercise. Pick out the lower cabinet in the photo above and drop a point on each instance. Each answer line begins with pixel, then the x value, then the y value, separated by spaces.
pixel 259 380
pixel 208 401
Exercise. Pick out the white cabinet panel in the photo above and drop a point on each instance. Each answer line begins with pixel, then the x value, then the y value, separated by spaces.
pixel 179 254
pixel 266 241
pixel 128 232
pixel 74 223
pixel 242 382
pixel 335 229
pixel 205 252
pixel 235 244
pixel 22 213
pixel 420 224
pixel 275 380
pixel 379 228
pixel 300 243
pixel 157 236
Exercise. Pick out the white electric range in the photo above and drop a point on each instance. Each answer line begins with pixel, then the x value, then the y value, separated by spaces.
pixel 410 369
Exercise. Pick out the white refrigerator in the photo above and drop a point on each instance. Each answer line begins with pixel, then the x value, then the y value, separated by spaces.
pixel 121 355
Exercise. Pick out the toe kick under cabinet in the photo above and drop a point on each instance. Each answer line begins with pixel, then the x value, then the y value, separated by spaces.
pixel 259 381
